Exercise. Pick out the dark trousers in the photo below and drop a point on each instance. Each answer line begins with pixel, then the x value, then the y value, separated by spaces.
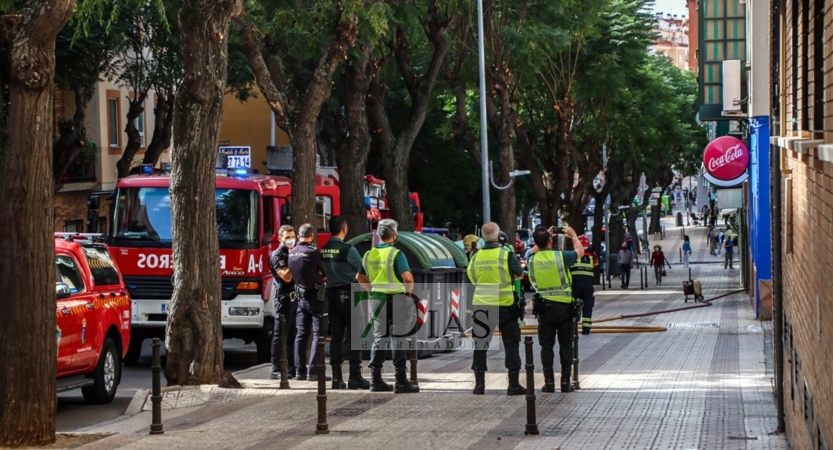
pixel 584 290
pixel 556 320
pixel 311 317
pixel 341 314
pixel 510 334
pixel 289 309
pixel 386 325
pixel 625 274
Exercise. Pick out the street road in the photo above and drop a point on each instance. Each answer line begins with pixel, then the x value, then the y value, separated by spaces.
pixel 74 413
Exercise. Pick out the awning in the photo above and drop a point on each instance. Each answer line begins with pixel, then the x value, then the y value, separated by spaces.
pixel 725 212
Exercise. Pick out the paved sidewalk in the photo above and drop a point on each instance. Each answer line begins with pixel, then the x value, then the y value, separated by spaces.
pixel 701 384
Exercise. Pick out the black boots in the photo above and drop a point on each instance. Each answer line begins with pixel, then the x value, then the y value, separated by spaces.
pixel 549 381
pixel 479 382
pixel 515 387
pixel 566 385
pixel 338 380
pixel 356 381
pixel 313 376
pixel 377 384
pixel 403 386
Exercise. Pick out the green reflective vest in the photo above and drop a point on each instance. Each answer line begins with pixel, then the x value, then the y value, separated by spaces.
pixel 550 277
pixel 489 271
pixel 583 268
pixel 378 264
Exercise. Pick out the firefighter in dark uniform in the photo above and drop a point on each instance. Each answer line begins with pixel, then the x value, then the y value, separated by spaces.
pixel 583 277
pixel 284 298
pixel 549 273
pixel 307 270
pixel 385 273
pixel 492 271
pixel 341 264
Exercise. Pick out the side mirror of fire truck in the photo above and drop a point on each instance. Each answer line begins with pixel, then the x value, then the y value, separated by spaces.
pixel 62 290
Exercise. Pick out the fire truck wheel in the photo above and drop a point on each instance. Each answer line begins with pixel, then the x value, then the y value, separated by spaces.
pixel 106 376
pixel 264 341
pixel 134 351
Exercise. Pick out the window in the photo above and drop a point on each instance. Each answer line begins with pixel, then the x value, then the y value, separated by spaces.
pixel 794 69
pixel 114 120
pixel 140 127
pixel 805 65
pixel 268 216
pixel 323 212
pixel 66 271
pixel 101 265
pixel 74 226
pixel 818 66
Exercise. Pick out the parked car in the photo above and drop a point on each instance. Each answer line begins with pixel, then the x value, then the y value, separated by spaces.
pixel 93 318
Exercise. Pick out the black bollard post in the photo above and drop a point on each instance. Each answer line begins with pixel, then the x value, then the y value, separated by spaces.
pixel 284 370
pixel 156 426
pixel 604 283
pixel 681 255
pixel 689 274
pixel 414 361
pixel 322 427
pixel 531 422
pixel 575 382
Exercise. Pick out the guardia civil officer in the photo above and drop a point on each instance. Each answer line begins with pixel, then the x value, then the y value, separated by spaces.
pixel 549 273
pixel 341 264
pixel 583 278
pixel 492 271
pixel 307 269
pixel 385 273
pixel 284 298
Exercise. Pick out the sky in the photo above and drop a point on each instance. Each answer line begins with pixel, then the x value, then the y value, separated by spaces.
pixel 671 6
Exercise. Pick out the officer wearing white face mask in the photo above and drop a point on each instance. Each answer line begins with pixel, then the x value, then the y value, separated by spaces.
pixel 284 298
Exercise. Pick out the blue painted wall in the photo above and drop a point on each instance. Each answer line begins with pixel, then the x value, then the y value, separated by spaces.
pixel 759 212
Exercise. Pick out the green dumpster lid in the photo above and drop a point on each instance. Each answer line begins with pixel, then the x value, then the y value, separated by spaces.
pixel 457 253
pixel 430 253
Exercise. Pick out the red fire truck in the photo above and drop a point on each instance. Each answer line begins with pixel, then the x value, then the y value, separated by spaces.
pixel 250 210
pixel 376 201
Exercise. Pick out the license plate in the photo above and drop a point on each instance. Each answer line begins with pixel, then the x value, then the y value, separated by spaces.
pixel 164 307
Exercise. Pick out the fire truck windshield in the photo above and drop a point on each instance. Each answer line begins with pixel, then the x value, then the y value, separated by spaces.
pixel 144 214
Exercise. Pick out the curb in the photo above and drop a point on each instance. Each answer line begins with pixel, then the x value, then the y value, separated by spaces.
pixel 250 369
pixel 138 402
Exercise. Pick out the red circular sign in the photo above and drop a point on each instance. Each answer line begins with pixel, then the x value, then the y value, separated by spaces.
pixel 726 158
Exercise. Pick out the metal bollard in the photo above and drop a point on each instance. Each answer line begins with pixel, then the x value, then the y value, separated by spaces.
pixel 604 283
pixel 156 426
pixel 322 427
pixel 531 422
pixel 681 255
pixel 414 361
pixel 284 362
pixel 575 382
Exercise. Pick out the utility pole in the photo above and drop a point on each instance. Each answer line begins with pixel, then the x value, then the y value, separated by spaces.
pixel 484 130
pixel 606 216
pixel 644 212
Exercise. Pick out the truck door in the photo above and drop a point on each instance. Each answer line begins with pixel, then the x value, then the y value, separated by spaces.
pixel 70 312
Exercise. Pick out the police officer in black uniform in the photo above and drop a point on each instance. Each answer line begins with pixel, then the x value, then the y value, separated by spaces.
pixel 284 298
pixel 342 263
pixel 583 278
pixel 307 269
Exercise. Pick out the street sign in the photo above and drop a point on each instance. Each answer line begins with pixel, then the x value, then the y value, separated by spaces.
pixel 229 157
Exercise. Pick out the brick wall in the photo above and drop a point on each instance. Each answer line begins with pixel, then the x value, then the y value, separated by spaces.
pixel 72 206
pixel 807 250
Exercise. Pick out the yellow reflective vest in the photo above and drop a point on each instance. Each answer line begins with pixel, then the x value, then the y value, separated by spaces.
pixel 581 268
pixel 550 276
pixel 489 271
pixel 378 264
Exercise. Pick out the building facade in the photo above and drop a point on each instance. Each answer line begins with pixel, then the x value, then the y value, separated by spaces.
pixel 105 123
pixel 673 40
pixel 250 124
pixel 802 146
pixel 693 35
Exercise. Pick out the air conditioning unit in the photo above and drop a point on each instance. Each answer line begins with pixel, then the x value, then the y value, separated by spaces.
pixel 731 85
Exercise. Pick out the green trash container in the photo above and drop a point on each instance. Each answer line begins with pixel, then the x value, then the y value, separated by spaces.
pixel 439 269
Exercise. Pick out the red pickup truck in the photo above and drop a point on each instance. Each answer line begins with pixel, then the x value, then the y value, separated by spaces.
pixel 93 318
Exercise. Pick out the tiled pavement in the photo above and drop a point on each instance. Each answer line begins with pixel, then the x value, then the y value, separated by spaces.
pixel 699 385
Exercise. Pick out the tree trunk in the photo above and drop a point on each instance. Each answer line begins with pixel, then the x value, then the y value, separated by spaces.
pixel 163 115
pixel 28 350
pixel 134 140
pixel 352 158
pixel 194 336
pixel 73 137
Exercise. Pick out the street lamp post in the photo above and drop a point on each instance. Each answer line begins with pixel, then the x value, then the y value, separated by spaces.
pixel 484 139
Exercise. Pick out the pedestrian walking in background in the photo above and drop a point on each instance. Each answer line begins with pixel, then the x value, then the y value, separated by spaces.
pixel 721 236
pixel 686 251
pixel 625 261
pixel 712 236
pixel 658 262
pixel 729 246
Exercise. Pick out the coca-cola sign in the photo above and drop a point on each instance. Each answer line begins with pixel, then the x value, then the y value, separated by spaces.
pixel 726 158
